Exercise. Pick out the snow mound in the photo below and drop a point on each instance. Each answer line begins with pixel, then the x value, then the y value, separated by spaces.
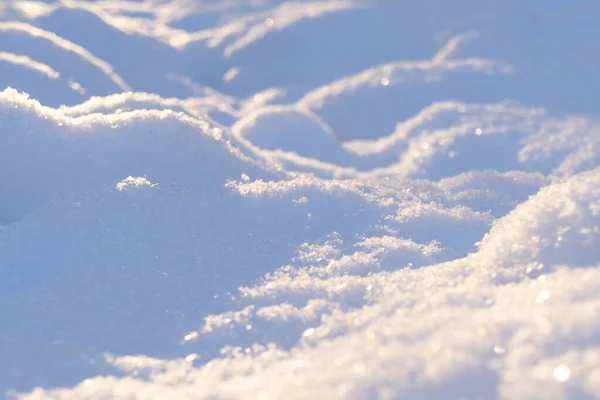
pixel 292 131
pixel 560 225
pixel 81 69
pixel 46 153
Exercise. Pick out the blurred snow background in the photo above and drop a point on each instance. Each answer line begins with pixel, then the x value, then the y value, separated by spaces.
pixel 269 199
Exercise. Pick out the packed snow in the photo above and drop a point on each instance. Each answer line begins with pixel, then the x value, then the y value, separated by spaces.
pixel 274 199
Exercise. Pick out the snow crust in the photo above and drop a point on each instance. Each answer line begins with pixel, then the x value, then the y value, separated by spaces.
pixel 294 200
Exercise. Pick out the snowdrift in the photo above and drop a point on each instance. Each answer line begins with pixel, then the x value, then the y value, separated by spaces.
pixel 259 200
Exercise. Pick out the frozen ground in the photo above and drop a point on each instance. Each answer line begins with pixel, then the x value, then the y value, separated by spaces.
pixel 336 199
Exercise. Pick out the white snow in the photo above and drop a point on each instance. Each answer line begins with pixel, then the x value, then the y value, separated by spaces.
pixel 275 199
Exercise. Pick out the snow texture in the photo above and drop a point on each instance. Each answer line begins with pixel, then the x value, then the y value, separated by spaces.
pixel 274 199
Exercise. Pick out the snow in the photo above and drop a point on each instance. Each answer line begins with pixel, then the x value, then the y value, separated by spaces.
pixel 287 200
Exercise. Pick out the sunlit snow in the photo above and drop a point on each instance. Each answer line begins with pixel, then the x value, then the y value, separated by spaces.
pixel 274 199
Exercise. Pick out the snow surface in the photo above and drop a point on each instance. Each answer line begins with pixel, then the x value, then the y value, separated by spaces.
pixel 268 199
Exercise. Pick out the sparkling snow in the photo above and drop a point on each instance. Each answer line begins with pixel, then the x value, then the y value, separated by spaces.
pixel 274 199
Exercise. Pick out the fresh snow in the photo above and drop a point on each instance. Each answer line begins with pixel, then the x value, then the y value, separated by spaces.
pixel 274 199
